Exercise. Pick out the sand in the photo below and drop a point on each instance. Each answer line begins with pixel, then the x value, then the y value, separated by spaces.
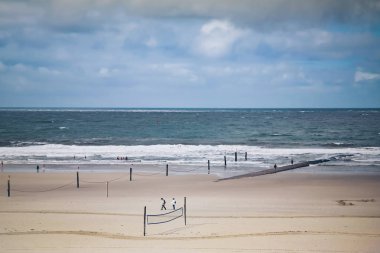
pixel 283 212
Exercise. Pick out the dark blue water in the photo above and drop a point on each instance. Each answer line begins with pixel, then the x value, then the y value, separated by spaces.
pixel 191 137
pixel 254 127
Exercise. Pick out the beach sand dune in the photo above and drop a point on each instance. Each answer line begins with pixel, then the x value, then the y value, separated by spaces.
pixel 284 212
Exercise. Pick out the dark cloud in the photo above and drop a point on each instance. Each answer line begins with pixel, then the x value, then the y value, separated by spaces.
pixel 87 16
pixel 259 11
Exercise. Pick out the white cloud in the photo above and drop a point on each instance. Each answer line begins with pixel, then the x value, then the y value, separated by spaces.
pixel 151 42
pixel 361 76
pixel 103 72
pixel 106 72
pixel 217 37
pixel 2 66
pixel 45 70
pixel 176 70
pixel 20 67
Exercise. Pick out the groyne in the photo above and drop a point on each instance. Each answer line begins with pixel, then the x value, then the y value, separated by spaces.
pixel 283 168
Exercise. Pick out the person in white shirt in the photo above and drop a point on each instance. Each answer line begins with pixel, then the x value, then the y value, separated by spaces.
pixel 174 203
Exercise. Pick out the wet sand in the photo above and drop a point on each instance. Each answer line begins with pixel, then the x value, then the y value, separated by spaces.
pixel 283 212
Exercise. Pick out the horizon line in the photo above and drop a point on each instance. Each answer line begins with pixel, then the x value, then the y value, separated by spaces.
pixel 177 108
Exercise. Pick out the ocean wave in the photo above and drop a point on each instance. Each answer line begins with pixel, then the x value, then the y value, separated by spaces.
pixel 27 143
pixel 338 144
pixel 183 154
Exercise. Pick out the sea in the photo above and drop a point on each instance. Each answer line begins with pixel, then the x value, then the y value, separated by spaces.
pixel 151 138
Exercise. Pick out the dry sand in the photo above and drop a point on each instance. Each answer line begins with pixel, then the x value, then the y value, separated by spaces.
pixel 284 212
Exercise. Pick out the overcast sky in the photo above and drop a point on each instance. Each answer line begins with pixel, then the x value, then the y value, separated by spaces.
pixel 199 53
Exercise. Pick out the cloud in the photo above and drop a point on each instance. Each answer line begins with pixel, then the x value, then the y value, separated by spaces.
pixel 181 73
pixel 106 72
pixel 258 12
pixel 83 16
pixel 2 66
pixel 217 37
pixel 361 76
pixel 83 48
pixel 151 42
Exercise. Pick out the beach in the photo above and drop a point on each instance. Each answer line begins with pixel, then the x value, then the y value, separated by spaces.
pixel 282 212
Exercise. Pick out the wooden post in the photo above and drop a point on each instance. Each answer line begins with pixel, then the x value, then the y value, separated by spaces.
pixel 225 161
pixel 246 156
pixel 144 220
pixel 77 179
pixel 9 186
pixel 184 207
pixel 208 166
pixel 235 156
pixel 130 174
pixel 107 189
pixel 167 169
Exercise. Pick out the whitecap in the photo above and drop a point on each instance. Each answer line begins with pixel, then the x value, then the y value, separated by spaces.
pixel 180 154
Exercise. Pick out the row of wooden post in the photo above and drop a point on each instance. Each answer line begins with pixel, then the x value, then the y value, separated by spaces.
pixel 130 173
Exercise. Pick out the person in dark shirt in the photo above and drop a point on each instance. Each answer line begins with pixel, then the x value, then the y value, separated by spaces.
pixel 163 207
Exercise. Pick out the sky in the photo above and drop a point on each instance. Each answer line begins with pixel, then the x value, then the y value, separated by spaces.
pixel 199 53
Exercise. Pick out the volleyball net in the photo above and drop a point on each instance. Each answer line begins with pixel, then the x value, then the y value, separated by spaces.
pixel 152 219
pixel 155 219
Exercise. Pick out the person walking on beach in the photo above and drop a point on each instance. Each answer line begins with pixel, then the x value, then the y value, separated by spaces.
pixel 275 167
pixel 38 168
pixel 174 203
pixel 163 207
pixel 291 161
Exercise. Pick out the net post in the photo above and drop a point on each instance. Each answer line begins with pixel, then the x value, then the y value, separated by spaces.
pixel 225 161
pixel 208 166
pixel 107 189
pixel 77 179
pixel 235 156
pixel 167 169
pixel 9 186
pixel 144 220
pixel 184 207
pixel 130 174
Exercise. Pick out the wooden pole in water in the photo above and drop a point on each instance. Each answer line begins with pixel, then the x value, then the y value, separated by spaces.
pixel 9 186
pixel 225 161
pixel 208 166
pixel 130 174
pixel 144 220
pixel 167 169
pixel 77 179
pixel 246 156
pixel 107 189
pixel 235 156
pixel 184 207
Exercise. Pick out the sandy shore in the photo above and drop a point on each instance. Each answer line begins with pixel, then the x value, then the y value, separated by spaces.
pixel 284 212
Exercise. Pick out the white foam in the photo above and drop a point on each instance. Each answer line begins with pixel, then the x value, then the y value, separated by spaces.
pixel 178 154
